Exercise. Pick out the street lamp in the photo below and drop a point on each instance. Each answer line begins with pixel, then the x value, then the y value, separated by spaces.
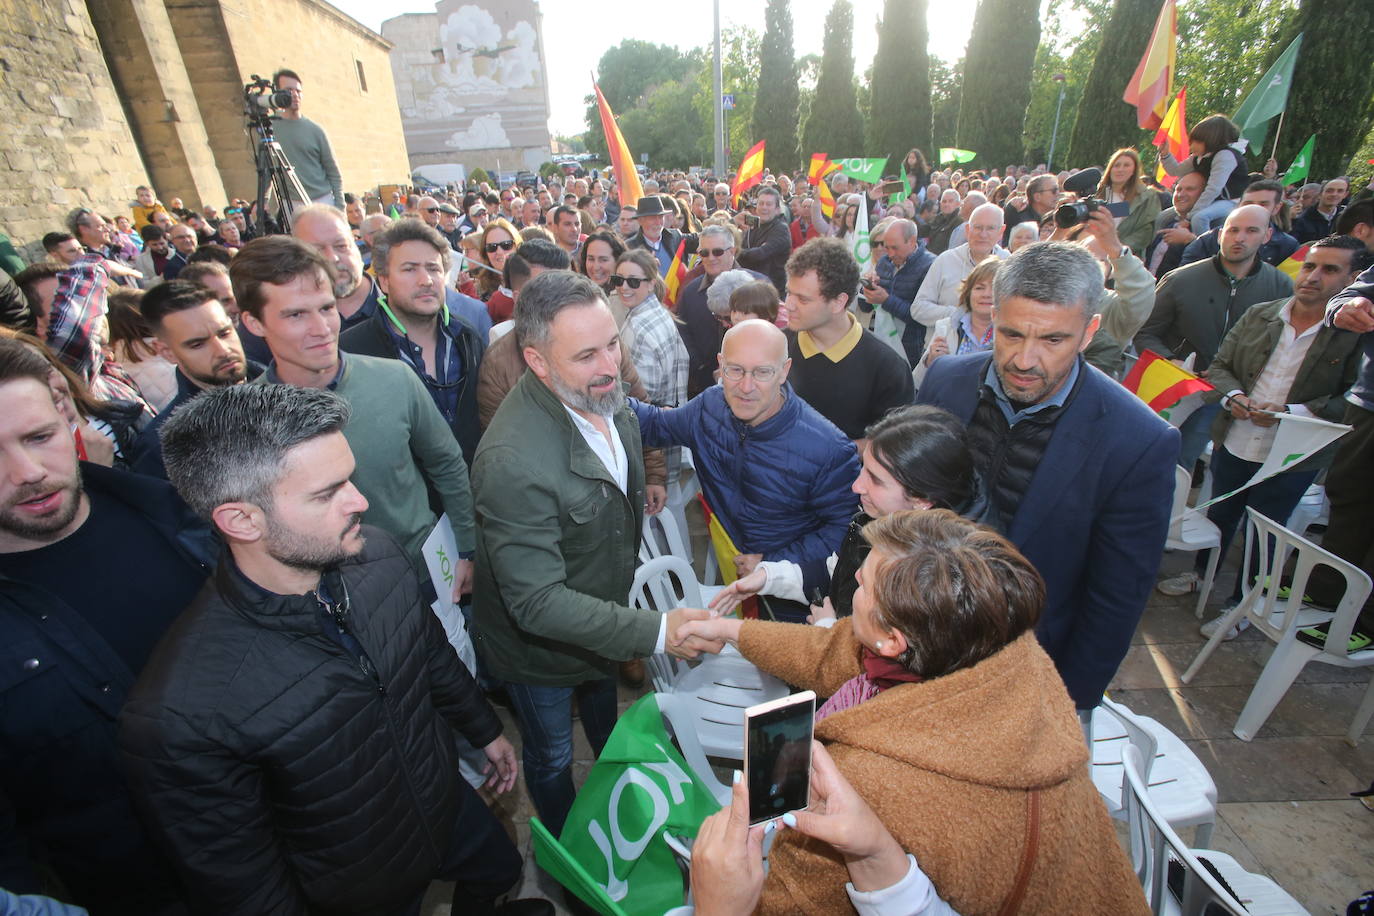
pixel 1054 136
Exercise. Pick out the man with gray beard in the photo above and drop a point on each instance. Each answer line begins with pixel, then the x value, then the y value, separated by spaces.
pixel 558 482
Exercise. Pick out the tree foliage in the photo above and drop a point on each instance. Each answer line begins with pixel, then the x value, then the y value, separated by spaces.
pixel 776 105
pixel 739 54
pixel 628 74
pixel 899 115
pixel 1110 121
pixel 946 85
pixel 997 79
pixel 835 123
pixel 1221 50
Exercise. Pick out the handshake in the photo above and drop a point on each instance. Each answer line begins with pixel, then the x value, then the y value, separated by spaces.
pixel 692 631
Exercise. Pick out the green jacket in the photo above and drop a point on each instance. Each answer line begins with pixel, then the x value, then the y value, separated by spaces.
pixel 1138 226
pixel 557 545
pixel 1326 374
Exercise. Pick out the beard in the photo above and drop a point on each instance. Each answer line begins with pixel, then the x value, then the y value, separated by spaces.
pixel 220 375
pixel 584 399
pixel 313 554
pixel 347 279
pixel 31 528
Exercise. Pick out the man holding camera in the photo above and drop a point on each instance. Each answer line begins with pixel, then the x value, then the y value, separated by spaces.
pixel 306 146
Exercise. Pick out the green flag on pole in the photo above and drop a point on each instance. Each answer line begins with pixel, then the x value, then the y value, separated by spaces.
pixel 869 170
pixel 1267 100
pixel 950 154
pixel 899 196
pixel 1302 164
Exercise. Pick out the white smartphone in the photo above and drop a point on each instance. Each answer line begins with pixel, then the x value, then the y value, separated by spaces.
pixel 777 755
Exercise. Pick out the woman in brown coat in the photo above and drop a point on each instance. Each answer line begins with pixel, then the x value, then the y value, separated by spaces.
pixel 952 724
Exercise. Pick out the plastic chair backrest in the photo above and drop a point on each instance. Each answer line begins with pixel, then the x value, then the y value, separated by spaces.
pixel 680 723
pixel 1137 736
pixel 1183 485
pixel 1273 544
pixel 662 537
pixel 1152 842
pixel 654 589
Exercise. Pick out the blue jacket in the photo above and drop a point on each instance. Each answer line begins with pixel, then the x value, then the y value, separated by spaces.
pixel 1093 520
pixel 1362 393
pixel 1278 249
pixel 780 488
pixel 902 284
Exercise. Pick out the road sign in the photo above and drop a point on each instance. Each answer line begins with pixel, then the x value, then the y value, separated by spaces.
pixel 727 101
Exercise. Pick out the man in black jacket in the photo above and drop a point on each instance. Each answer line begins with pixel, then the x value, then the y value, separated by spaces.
pixel 767 246
pixel 652 237
pixel 94 566
pixel 290 741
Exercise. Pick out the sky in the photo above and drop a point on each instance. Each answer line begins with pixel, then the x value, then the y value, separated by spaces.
pixel 576 34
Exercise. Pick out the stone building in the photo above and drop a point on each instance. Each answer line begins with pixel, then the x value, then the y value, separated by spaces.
pixel 100 96
pixel 472 84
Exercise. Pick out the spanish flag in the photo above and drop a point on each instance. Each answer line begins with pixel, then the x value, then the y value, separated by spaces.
pixel 721 543
pixel 1153 81
pixel 1173 131
pixel 677 275
pixel 750 171
pixel 626 178
pixel 827 198
pixel 821 166
pixel 1161 384
pixel 1294 263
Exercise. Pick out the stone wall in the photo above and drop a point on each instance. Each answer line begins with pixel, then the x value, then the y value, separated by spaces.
pixel 67 140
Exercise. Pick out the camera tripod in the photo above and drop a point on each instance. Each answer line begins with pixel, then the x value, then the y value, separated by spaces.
pixel 276 179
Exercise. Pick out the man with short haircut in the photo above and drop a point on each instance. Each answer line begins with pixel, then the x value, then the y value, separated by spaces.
pixel 183 241
pixel 1265 193
pixel 153 258
pixel 353 209
pixel 214 276
pixel 838 367
pixel 1042 196
pixel 773 470
pixel 306 146
pixel 654 238
pixel 627 222
pixel 401 441
pixel 938 295
pixel 767 245
pixel 531 214
pixel 701 331
pixel 291 742
pixel 192 329
pixel 559 487
pixel 62 247
pixel 1172 232
pixel 95 564
pixel 1319 220
pixel 1196 305
pixel 899 273
pixel 567 230
pixel 38 282
pixel 972 201
pixel 1079 472
pixel 1357 221
pixel 429 211
pixel 413 323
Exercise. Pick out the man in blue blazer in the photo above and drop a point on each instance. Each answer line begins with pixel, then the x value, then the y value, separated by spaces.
pixel 1079 472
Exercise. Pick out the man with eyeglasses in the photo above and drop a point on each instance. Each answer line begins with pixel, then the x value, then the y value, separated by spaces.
pixel 507 211
pixel 429 211
pixel 774 471
pixel 184 243
pixel 701 331
pixel 307 146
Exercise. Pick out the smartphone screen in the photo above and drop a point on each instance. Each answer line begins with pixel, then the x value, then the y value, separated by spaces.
pixel 777 755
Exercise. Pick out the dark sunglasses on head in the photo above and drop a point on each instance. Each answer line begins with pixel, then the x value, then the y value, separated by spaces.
pixel 493 247
pixel 619 281
pixel 714 252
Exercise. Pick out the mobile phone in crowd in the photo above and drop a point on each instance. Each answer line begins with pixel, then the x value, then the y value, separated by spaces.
pixel 777 755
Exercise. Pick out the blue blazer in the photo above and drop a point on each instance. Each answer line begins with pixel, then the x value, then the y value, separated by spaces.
pixel 1093 520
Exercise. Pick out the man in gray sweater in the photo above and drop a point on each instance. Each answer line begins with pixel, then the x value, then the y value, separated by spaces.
pixel 307 146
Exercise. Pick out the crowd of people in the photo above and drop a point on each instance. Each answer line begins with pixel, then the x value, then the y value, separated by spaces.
pixel 231 686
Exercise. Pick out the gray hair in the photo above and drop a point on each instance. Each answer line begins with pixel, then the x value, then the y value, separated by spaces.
pixel 407 230
pixel 722 231
pixel 1055 273
pixel 770 189
pixel 542 298
pixel 719 292
pixel 230 444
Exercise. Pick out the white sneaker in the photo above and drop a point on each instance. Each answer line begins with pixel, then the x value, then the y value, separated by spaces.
pixel 1210 628
pixel 1182 584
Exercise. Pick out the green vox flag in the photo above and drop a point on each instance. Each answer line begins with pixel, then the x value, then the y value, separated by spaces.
pixel 949 154
pixel 869 170
pixel 612 853
pixel 1302 164
pixel 1267 100
pixel 904 193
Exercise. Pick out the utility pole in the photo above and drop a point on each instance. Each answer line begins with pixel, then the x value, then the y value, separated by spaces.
pixel 719 84
pixel 1054 135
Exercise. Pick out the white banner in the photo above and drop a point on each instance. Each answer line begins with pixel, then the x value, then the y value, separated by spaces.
pixel 1296 438
pixel 888 328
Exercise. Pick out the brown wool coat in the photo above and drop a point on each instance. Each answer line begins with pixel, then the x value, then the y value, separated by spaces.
pixel 947 765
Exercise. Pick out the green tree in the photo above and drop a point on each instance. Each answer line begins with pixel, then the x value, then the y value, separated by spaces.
pixel 1221 50
pixel 899 115
pixel 946 85
pixel 775 109
pixel 1071 55
pixel 627 74
pixel 739 54
pixel 835 124
pixel 997 79
pixel 1112 121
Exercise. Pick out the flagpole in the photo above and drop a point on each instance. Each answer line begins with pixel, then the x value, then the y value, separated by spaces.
pixel 1278 130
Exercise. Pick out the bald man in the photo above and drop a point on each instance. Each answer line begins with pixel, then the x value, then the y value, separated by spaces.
pixel 775 472
pixel 1198 303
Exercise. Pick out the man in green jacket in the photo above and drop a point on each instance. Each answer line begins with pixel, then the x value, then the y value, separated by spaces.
pixel 558 482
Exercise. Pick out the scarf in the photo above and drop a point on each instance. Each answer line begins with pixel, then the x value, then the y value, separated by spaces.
pixel 879 674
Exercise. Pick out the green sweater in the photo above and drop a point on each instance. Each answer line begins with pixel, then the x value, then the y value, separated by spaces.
pixel 401 443
pixel 306 145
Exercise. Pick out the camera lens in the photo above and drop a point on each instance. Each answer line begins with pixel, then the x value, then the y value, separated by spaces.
pixel 1070 215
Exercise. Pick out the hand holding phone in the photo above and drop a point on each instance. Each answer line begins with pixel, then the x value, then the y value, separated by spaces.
pixel 777 755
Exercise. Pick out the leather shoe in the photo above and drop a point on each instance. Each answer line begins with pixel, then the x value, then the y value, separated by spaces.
pixel 632 673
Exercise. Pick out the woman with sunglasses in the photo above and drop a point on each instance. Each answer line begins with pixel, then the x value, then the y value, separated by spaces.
pixel 498 242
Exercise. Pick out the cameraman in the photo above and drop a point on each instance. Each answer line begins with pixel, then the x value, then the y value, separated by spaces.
pixel 306 146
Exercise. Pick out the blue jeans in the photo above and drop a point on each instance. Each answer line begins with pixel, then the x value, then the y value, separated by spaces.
pixel 1276 497
pixel 545 717
pixel 1194 435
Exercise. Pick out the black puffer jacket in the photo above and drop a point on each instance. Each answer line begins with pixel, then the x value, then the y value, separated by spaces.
pixel 281 777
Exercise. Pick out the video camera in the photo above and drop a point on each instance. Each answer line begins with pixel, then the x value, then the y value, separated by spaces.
pixel 1070 215
pixel 261 99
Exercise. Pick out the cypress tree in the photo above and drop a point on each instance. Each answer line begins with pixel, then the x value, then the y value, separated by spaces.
pixel 835 125
pixel 997 79
pixel 775 105
pixel 899 116
pixel 1105 121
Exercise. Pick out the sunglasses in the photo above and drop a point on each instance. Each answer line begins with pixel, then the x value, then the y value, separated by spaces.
pixel 715 252
pixel 431 209
pixel 493 247
pixel 618 281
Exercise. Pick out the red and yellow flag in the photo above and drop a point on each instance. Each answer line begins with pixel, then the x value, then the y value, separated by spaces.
pixel 626 178
pixel 1173 130
pixel 750 171
pixel 821 166
pixel 1159 383
pixel 677 275
pixel 1153 82
pixel 1294 263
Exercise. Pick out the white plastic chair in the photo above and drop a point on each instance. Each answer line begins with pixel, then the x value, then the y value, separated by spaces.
pixel 679 718
pixel 662 536
pixel 1191 530
pixel 716 691
pixel 1195 888
pixel 1180 786
pixel 661 584
pixel 1270 614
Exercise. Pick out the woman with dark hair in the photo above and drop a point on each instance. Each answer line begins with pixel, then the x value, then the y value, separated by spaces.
pixel 498 241
pixel 597 256
pixel 913 458
pixel 1121 183
pixel 950 721
pixel 917 171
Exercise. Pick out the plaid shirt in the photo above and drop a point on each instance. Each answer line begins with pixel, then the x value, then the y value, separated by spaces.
pixel 661 359
pixel 74 319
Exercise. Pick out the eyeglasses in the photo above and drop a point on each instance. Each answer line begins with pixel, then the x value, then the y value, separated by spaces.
pixel 618 281
pixel 431 209
pixel 715 252
pixel 761 374
pixel 493 247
